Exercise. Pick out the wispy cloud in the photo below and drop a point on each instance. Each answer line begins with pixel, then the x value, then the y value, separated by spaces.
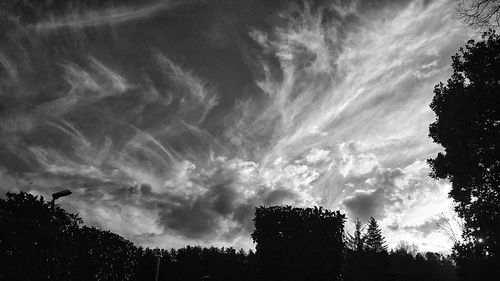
pixel 114 15
pixel 331 109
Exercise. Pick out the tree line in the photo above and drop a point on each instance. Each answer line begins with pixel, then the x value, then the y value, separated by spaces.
pixel 41 241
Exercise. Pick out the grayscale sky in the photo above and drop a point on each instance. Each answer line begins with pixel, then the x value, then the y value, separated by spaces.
pixel 171 120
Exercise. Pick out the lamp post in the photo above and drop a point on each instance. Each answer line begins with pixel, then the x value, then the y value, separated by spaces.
pixel 158 256
pixel 57 195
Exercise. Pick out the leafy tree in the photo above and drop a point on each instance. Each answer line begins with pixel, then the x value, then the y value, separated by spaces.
pixel 356 241
pixel 374 241
pixel 467 126
pixel 298 244
pixel 405 248
pixel 36 241
pixel 103 255
pixel 39 241
pixel 194 263
pixel 473 262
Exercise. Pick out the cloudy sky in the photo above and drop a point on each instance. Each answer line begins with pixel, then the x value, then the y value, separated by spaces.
pixel 171 120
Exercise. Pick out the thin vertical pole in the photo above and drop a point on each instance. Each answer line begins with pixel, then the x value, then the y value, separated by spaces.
pixel 157 267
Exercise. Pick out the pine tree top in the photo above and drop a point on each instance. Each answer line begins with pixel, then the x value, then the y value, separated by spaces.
pixel 374 240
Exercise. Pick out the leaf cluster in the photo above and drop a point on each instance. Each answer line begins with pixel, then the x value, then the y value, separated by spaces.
pixel 468 127
pixel 299 243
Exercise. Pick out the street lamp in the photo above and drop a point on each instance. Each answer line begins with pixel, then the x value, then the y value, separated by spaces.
pixel 58 195
pixel 158 257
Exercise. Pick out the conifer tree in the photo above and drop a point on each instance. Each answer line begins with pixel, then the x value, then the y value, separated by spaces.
pixel 374 241
pixel 356 241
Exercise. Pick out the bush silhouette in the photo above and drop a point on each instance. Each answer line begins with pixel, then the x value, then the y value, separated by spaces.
pixel 41 242
pixel 36 241
pixel 299 244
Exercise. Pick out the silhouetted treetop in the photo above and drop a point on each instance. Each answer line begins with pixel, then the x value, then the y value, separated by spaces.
pixel 299 243
pixel 356 241
pixel 35 234
pixel 374 241
pixel 468 127
pixel 39 241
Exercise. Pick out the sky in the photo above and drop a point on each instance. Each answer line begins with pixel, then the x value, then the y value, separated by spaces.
pixel 170 121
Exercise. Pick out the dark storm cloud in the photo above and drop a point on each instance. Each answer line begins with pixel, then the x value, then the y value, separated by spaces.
pixel 364 205
pixel 203 216
pixel 211 211
pixel 381 193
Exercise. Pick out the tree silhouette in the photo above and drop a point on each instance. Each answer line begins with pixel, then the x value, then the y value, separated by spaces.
pixel 36 241
pixel 298 244
pixel 402 263
pixel 371 262
pixel 374 241
pixel 356 241
pixel 406 248
pixel 103 255
pixel 194 263
pixel 468 127
pixel 39 241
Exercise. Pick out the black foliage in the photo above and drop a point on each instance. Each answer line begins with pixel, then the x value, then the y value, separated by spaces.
pixel 36 241
pixel 468 127
pixel 41 242
pixel 355 242
pixel 194 263
pixel 299 244
pixel 103 255
pixel 373 239
pixel 474 261
pixel 429 266
pixel 368 260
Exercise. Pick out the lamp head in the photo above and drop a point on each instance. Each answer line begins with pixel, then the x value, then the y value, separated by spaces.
pixel 60 194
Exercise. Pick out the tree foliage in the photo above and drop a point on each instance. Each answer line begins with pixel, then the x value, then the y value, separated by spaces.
pixel 473 262
pixel 468 127
pixel 103 255
pixel 41 242
pixel 299 244
pixel 356 241
pixel 38 242
pixel 374 241
pixel 194 263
